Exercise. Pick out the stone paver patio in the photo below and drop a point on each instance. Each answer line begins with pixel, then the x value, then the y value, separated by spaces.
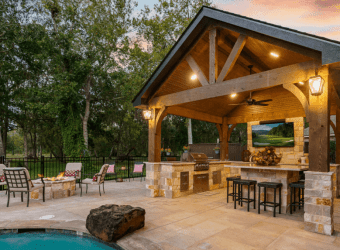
pixel 199 221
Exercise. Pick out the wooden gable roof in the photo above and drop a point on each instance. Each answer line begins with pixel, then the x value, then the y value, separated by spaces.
pixel 173 73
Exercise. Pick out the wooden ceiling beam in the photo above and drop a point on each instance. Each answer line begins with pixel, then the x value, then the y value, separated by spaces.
pixel 289 74
pixel 232 58
pixel 267 116
pixel 246 54
pixel 241 57
pixel 226 53
pixel 188 113
pixel 194 66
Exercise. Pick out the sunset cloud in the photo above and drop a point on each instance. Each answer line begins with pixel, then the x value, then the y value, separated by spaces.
pixel 318 17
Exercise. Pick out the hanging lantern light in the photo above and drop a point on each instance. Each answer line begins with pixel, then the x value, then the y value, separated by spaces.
pixel 148 114
pixel 316 85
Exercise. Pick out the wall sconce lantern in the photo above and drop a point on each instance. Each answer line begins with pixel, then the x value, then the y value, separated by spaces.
pixel 316 85
pixel 148 114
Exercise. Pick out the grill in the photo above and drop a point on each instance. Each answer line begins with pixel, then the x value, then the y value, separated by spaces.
pixel 201 161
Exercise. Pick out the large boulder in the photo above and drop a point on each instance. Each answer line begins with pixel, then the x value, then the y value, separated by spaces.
pixel 111 222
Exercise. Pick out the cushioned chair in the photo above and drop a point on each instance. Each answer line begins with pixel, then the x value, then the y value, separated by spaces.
pixel 74 169
pixel 100 177
pixel 138 170
pixel 18 180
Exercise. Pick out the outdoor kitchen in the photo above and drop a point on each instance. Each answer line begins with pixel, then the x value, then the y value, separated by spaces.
pixel 178 179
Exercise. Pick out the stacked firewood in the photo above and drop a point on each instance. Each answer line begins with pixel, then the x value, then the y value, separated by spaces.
pixel 266 157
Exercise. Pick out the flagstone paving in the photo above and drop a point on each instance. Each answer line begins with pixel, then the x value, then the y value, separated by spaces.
pixel 199 221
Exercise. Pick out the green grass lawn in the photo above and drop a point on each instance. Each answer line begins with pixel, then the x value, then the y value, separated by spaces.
pixel 272 140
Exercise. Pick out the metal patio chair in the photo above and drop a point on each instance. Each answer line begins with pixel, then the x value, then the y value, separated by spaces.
pixel 100 179
pixel 18 180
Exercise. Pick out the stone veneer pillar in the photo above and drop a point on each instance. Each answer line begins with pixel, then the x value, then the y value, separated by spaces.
pixel 319 202
pixel 152 178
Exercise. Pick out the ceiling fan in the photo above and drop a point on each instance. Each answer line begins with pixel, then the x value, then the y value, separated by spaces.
pixel 251 101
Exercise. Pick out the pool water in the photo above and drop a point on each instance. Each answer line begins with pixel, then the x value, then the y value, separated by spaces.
pixel 43 241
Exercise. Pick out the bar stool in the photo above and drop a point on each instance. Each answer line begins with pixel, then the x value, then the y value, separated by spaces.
pixel 301 202
pixel 266 203
pixel 239 197
pixel 234 193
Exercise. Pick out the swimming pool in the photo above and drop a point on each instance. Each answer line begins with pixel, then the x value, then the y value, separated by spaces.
pixel 43 241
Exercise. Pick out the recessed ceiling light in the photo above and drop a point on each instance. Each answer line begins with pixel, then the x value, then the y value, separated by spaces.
pixel 274 54
pixel 302 83
pixel 193 77
pixel 233 95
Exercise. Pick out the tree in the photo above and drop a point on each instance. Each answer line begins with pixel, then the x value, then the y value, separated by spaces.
pixel 83 36
pixel 239 134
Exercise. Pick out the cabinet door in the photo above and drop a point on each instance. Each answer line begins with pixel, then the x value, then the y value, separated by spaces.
pixel 201 183
pixel 184 185
pixel 216 177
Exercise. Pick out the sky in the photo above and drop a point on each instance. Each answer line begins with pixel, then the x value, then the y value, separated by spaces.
pixel 318 17
pixel 265 127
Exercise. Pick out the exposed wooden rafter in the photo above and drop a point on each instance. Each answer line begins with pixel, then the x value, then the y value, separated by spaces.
pixel 194 114
pixel 289 74
pixel 194 66
pixel 234 54
pixel 246 54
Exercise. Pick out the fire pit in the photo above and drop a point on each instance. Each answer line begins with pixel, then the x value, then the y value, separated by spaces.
pixel 55 187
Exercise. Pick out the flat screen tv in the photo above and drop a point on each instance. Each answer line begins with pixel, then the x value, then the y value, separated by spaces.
pixel 273 134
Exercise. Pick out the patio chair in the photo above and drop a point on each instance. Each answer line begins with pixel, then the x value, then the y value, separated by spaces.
pixel 138 169
pixel 18 180
pixel 112 168
pixel 97 179
pixel 74 170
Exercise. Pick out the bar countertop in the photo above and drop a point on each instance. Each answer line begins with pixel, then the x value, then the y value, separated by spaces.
pixel 239 164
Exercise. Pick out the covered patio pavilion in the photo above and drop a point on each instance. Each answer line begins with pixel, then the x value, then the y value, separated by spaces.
pixel 207 70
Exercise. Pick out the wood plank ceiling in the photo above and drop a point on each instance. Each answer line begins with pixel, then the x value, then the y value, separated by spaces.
pixel 255 52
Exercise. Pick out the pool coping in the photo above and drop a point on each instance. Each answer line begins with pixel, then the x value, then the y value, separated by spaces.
pixel 81 234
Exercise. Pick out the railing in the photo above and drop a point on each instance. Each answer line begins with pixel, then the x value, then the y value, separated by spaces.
pixel 52 166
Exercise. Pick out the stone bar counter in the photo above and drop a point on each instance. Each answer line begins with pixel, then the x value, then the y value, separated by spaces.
pixel 284 174
pixel 176 179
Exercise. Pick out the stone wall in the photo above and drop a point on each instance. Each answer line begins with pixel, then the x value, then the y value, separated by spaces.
pixel 163 178
pixel 290 155
pixel 319 202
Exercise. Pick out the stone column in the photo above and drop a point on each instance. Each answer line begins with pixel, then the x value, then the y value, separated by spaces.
pixel 319 202
pixel 152 178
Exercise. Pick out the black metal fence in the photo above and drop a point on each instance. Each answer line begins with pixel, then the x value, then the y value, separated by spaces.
pixel 51 167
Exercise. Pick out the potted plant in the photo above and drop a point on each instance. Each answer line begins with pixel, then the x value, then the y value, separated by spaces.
pixel 168 151
pixel 217 150
pixel 185 148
